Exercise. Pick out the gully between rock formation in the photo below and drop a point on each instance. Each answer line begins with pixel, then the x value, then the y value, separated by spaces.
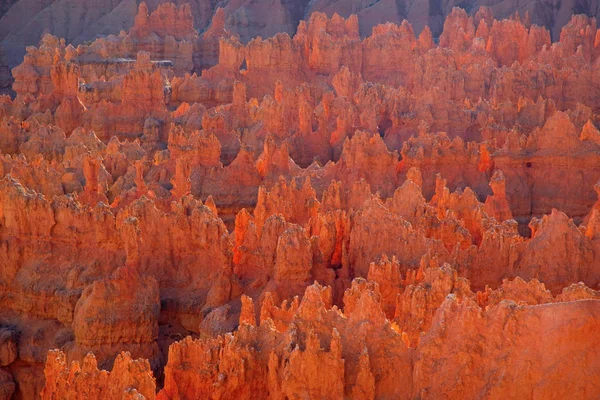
pixel 311 217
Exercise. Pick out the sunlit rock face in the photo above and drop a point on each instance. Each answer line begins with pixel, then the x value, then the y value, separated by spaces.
pixel 337 209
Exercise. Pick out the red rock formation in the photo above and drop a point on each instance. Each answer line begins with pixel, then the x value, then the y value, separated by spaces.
pixel 247 364
pixel 102 321
pixel 7 387
pixel 312 215
pixel 497 205
pixel 541 258
pixel 128 379
pixel 522 326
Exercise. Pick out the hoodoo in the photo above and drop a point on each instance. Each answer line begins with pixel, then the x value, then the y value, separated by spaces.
pixel 299 200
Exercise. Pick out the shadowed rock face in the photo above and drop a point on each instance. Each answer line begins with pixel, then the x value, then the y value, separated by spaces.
pixel 315 215
pixel 5 76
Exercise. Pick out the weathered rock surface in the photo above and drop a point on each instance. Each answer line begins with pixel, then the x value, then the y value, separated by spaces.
pixel 347 209
pixel 22 22
pixel 128 379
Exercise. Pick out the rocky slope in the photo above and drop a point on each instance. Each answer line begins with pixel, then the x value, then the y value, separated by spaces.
pixel 23 22
pixel 311 216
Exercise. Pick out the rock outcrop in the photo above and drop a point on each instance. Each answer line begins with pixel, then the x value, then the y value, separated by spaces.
pixel 346 209
pixel 128 379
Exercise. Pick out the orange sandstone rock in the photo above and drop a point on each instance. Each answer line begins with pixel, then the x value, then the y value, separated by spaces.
pixel 309 215
pixel 128 379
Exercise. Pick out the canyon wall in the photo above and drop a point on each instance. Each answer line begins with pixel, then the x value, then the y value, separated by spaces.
pixel 23 22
